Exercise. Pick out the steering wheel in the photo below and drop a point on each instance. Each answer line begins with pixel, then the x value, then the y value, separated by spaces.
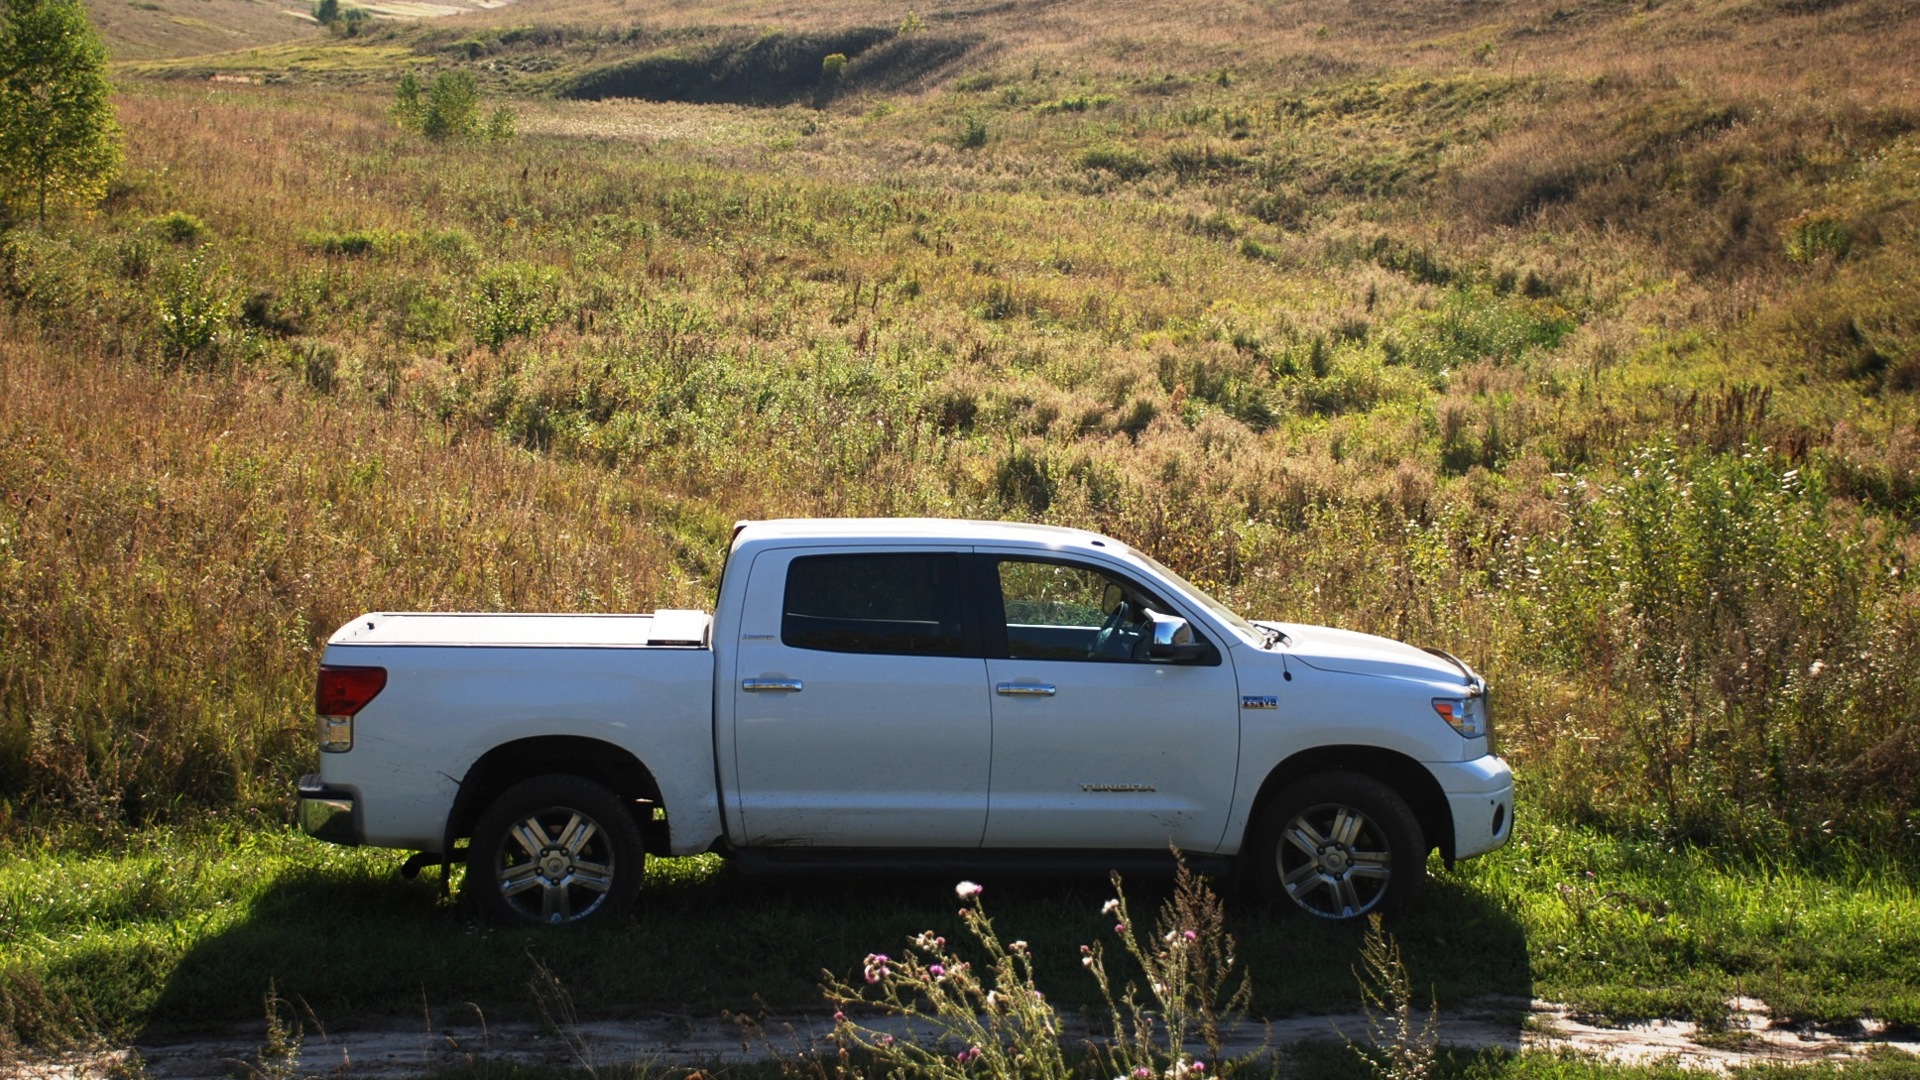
pixel 1108 642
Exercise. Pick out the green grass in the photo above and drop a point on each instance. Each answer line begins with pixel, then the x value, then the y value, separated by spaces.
pixel 165 931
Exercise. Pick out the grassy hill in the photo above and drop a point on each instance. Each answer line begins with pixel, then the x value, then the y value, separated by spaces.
pixel 1578 338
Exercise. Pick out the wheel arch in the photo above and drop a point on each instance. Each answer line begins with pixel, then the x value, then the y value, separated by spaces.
pixel 612 767
pixel 1407 777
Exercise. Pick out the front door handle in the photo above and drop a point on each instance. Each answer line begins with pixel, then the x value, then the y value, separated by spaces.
pixel 1013 689
pixel 762 686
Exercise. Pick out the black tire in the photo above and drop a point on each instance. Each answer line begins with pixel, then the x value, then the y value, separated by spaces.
pixel 1340 846
pixel 555 849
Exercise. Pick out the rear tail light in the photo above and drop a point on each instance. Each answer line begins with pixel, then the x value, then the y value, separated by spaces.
pixel 340 693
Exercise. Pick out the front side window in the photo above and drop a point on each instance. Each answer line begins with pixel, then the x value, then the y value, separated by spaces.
pixel 1065 611
pixel 904 603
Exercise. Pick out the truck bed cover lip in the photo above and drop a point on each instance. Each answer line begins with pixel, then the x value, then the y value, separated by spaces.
pixel 400 629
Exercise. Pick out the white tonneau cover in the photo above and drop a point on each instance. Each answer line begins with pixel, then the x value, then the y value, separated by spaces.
pixel 662 628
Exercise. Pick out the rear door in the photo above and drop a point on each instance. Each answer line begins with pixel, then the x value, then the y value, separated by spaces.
pixel 1095 745
pixel 860 720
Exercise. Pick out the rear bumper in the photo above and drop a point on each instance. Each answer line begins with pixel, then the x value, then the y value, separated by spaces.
pixel 1480 794
pixel 329 813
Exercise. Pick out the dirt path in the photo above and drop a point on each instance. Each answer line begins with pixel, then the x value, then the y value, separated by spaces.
pixel 668 1041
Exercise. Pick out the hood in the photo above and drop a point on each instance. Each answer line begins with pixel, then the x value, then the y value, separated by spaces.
pixel 1350 653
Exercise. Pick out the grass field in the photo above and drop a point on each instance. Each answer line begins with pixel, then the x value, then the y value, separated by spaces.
pixel 1579 339
pixel 172 931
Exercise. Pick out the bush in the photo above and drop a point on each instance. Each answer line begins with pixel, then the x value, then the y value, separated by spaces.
pixel 1749 642
pixel 193 309
pixel 972 134
pixel 995 1023
pixel 449 110
pixel 181 228
pixel 514 300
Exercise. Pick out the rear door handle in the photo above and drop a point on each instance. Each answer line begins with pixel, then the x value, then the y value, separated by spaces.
pixel 762 686
pixel 1011 689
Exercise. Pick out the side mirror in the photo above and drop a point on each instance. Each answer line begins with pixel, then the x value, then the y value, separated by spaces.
pixel 1172 639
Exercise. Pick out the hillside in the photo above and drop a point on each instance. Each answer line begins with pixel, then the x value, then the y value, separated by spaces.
pixel 1576 338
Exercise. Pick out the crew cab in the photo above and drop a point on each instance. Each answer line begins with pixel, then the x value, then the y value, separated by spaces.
pixel 905 694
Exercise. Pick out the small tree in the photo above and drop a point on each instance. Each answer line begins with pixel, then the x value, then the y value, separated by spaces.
pixel 831 69
pixel 453 107
pixel 408 111
pixel 58 139
pixel 449 109
pixel 326 12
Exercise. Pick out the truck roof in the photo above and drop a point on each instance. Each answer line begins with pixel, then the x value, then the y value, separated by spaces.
pixel 937 530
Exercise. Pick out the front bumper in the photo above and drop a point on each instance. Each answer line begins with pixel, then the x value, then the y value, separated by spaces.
pixel 329 813
pixel 1480 794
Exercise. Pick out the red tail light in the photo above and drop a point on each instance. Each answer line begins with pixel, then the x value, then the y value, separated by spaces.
pixel 343 691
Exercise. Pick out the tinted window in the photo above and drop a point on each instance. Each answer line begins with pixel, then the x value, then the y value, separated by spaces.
pixel 894 603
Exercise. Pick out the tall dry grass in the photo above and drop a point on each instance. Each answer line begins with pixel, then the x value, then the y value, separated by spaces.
pixel 1377 330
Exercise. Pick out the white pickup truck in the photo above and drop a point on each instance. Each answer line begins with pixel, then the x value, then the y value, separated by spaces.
pixel 906 694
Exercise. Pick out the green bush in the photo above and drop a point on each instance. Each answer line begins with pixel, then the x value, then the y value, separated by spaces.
pixel 972 134
pixel 514 300
pixel 179 227
pixel 449 110
pixel 192 310
pixel 1122 162
pixel 1747 639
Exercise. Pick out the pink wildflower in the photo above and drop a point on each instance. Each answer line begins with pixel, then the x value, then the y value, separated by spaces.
pixel 967 890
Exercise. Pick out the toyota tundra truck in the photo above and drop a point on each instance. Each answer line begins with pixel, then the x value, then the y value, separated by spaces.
pixel 905 695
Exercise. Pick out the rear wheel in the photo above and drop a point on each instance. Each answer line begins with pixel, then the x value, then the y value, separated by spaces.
pixel 555 849
pixel 1339 845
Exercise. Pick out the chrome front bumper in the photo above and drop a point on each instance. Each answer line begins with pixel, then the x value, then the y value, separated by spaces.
pixel 329 813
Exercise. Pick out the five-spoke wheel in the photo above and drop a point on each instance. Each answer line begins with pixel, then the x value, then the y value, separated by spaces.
pixel 555 849
pixel 1339 845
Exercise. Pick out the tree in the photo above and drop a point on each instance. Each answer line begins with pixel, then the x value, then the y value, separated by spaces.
pixel 453 107
pixel 58 139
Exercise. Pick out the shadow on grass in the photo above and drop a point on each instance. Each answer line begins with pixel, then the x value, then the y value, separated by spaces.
pixel 359 948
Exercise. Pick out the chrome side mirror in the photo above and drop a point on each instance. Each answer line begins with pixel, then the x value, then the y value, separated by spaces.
pixel 1172 639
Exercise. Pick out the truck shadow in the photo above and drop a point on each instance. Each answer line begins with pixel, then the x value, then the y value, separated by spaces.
pixel 364 947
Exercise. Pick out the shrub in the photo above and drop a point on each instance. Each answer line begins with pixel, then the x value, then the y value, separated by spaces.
pixel 1817 235
pixel 449 109
pixel 1122 162
pixel 994 1022
pixel 192 310
pixel 514 300
pixel 452 107
pixel 181 228
pixel 972 134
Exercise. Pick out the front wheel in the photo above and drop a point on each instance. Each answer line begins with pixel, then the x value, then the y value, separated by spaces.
pixel 1339 845
pixel 555 849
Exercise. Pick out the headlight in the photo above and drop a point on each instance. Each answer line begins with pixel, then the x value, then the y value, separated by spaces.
pixel 1466 715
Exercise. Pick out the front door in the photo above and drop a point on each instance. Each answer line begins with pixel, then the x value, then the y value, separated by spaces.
pixel 1095 745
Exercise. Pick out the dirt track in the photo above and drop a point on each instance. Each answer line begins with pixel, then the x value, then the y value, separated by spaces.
pixel 668 1041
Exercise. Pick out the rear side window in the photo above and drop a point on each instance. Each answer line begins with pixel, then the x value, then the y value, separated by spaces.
pixel 881 603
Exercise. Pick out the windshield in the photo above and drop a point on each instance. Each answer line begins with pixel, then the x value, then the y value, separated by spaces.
pixel 1219 610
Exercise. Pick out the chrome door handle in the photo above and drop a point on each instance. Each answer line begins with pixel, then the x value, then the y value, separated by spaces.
pixel 1011 689
pixel 761 686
